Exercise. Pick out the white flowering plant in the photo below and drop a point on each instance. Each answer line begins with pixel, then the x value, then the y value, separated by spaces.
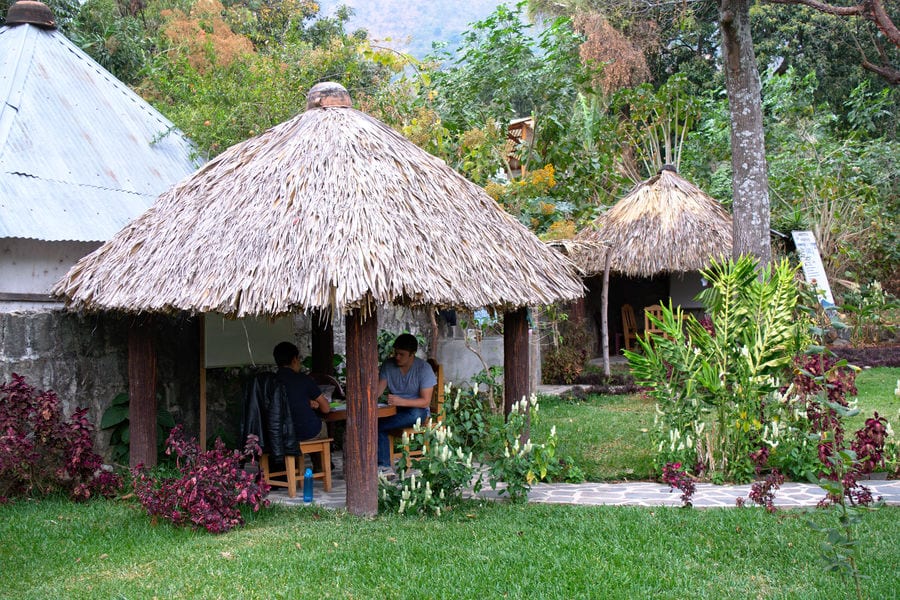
pixel 434 482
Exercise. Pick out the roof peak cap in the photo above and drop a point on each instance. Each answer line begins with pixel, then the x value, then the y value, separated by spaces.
pixel 30 12
pixel 328 93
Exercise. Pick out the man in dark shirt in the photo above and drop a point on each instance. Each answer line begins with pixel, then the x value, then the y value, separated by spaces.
pixel 304 396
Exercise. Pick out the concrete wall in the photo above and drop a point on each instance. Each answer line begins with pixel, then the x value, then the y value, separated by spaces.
pixel 461 364
pixel 32 266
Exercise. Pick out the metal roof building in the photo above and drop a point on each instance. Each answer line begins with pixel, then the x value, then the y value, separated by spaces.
pixel 80 153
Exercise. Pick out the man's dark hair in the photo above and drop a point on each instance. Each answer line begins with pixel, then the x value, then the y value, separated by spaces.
pixel 406 341
pixel 284 353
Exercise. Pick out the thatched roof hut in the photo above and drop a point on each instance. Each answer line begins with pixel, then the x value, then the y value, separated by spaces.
pixel 330 210
pixel 665 224
pixel 334 212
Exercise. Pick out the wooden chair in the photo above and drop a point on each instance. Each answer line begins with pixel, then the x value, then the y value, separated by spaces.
pixel 629 326
pixel 656 311
pixel 323 448
pixel 437 415
pixel 285 478
pixel 292 467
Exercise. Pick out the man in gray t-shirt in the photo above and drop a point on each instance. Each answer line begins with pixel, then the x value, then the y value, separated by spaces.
pixel 410 383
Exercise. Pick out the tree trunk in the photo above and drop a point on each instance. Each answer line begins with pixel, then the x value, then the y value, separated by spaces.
pixel 748 153
pixel 515 358
pixel 361 436
pixel 142 394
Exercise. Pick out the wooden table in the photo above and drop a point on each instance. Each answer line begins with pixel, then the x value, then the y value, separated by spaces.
pixel 338 412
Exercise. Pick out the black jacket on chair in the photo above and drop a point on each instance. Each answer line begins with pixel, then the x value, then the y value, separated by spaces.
pixel 267 415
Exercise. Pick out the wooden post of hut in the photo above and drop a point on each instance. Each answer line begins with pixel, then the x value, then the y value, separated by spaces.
pixel 361 436
pixel 515 357
pixel 322 342
pixel 142 394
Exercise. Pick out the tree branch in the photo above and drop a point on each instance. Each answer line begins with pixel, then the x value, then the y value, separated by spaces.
pixel 871 10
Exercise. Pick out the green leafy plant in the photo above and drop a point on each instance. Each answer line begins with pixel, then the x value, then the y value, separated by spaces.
pixel 873 312
pixel 714 383
pixel 467 416
pixel 115 419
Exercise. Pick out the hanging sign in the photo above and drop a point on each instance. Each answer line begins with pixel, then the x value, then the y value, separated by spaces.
pixel 813 269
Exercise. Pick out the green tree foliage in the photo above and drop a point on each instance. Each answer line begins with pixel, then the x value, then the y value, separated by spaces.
pixel 502 71
pixel 829 173
pixel 221 87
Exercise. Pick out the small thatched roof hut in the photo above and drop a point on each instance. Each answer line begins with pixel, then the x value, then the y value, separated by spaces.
pixel 334 212
pixel 665 224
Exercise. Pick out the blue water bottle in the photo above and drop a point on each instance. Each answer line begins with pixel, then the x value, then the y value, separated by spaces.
pixel 308 485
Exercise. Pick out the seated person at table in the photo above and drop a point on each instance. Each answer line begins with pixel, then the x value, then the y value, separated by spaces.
pixel 410 382
pixel 304 396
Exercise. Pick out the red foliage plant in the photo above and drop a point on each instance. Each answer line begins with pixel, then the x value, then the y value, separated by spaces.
pixel 676 477
pixel 211 488
pixel 42 452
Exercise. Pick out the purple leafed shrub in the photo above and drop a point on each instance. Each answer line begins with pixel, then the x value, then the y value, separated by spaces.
pixel 763 492
pixel 675 476
pixel 42 452
pixel 869 445
pixel 211 488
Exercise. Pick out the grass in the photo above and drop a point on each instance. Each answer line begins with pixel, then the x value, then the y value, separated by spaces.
pixel 106 549
pixel 875 391
pixel 607 435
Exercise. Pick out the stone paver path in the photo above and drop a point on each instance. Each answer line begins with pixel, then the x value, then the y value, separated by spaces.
pixel 635 493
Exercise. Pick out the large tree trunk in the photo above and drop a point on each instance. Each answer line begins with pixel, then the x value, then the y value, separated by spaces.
pixel 748 152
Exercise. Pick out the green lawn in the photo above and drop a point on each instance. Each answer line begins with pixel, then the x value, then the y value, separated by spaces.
pixel 56 549
pixel 875 389
pixel 606 435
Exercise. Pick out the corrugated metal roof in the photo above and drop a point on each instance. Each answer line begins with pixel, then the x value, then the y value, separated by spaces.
pixel 80 153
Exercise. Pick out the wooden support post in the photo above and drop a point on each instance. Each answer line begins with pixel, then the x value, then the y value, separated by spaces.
pixel 202 327
pixel 515 358
pixel 322 342
pixel 142 393
pixel 604 313
pixel 361 435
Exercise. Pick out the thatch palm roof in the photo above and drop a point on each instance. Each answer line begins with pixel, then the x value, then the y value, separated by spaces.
pixel 665 224
pixel 330 210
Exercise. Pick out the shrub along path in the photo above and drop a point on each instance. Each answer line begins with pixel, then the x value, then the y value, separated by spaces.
pixel 632 493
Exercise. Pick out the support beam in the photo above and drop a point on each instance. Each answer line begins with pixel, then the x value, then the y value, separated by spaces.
pixel 604 312
pixel 142 393
pixel 201 320
pixel 361 436
pixel 322 342
pixel 515 358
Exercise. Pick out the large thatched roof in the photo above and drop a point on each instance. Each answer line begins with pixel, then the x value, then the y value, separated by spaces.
pixel 665 224
pixel 330 210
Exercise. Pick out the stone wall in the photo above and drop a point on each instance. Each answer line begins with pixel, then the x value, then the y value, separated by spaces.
pixel 84 359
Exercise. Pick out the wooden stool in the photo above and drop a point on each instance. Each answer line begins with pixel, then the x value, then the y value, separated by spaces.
pixel 323 448
pixel 290 474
